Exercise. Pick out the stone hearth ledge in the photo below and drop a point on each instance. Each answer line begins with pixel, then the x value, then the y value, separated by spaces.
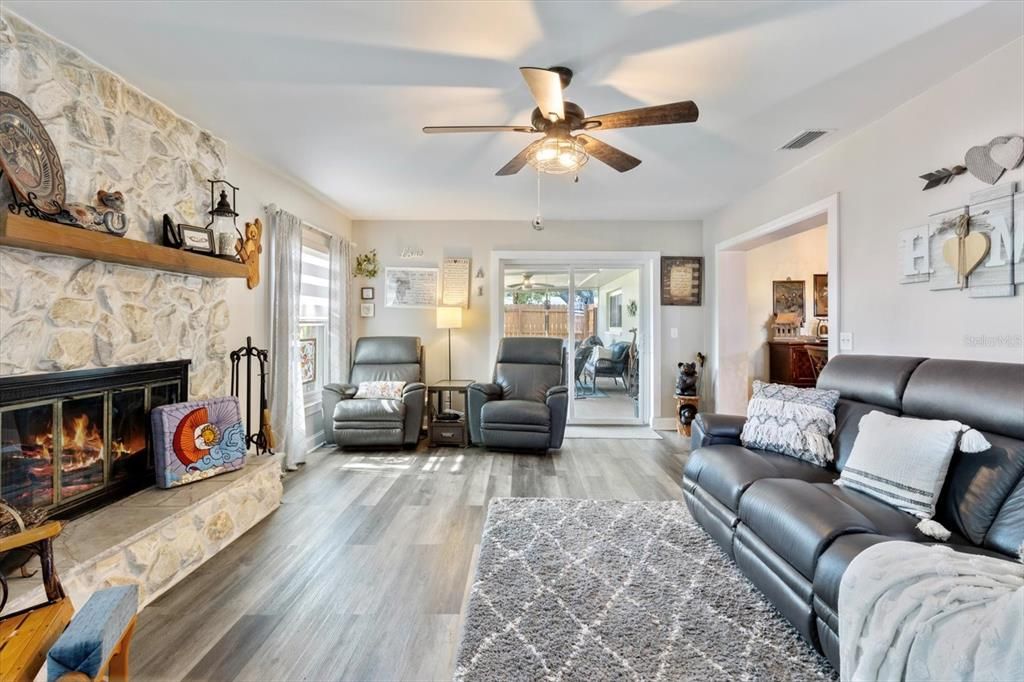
pixel 155 538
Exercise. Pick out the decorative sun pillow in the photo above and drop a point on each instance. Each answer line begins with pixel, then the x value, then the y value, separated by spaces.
pixel 196 440
pixel 793 421
pixel 379 390
pixel 903 462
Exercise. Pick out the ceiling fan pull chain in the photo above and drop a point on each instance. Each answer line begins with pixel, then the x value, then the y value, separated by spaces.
pixel 538 222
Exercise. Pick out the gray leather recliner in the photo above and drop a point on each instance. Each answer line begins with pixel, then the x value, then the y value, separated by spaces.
pixel 377 423
pixel 525 407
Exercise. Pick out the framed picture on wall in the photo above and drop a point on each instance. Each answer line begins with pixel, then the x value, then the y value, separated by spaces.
pixel 821 295
pixel 307 360
pixel 788 297
pixel 411 287
pixel 366 309
pixel 682 280
pixel 366 293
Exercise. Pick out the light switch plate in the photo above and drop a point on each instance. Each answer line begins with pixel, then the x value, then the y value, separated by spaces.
pixel 845 340
pixel 673 332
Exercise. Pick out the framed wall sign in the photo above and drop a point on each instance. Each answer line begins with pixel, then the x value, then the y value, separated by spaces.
pixel 410 287
pixel 455 282
pixel 366 293
pixel 366 309
pixel 196 238
pixel 682 280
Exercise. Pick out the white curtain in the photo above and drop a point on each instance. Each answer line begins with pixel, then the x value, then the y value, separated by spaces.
pixel 287 412
pixel 339 322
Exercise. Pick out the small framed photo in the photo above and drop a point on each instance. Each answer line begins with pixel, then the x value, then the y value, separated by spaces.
pixel 366 293
pixel 196 239
pixel 366 310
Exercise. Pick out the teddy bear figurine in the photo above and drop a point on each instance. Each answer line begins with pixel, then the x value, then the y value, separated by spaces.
pixel 686 382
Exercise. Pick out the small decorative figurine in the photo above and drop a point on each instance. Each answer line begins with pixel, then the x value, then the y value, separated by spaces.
pixel 686 383
pixel 107 216
pixel 249 250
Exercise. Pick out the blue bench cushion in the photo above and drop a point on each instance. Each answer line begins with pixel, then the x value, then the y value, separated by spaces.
pixel 94 632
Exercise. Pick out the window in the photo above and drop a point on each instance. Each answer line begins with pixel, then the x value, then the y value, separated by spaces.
pixel 314 297
pixel 615 310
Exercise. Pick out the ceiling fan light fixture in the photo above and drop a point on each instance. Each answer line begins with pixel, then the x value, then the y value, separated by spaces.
pixel 559 155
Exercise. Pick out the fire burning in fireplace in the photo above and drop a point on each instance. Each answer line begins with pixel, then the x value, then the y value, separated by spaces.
pixel 81 462
pixel 72 440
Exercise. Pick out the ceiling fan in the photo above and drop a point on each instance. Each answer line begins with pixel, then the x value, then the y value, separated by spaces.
pixel 561 151
pixel 529 285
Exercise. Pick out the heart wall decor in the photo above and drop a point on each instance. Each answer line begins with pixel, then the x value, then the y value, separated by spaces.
pixel 965 254
pixel 986 162
pixel 1008 154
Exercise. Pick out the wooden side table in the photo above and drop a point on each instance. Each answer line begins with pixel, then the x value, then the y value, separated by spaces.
pixel 444 431
pixel 686 409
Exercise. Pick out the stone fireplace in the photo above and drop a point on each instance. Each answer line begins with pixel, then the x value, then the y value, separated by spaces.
pixel 71 441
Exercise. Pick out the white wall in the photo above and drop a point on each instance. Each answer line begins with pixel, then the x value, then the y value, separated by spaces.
pixel 875 171
pixel 798 257
pixel 477 239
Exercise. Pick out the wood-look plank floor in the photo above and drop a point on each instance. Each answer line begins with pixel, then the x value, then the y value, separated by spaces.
pixel 362 572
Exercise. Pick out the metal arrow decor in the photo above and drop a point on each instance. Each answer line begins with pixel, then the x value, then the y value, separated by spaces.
pixel 941 176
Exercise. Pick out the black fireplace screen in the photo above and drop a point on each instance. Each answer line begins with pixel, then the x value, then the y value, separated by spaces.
pixel 70 441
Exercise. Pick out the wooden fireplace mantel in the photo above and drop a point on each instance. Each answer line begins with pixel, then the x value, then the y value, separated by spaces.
pixel 41 235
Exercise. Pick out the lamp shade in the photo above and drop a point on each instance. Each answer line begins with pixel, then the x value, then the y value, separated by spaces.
pixel 449 318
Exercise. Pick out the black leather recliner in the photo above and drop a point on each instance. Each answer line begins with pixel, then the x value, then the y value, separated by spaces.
pixel 376 423
pixel 793 533
pixel 526 406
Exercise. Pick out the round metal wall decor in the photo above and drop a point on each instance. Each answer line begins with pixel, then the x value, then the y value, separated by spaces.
pixel 28 157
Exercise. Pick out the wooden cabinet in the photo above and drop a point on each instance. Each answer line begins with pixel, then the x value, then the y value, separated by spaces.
pixel 789 362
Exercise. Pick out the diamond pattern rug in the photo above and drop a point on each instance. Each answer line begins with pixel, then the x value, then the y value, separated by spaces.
pixel 606 590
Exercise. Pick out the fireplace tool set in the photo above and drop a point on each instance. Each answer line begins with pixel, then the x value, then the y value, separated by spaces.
pixel 260 437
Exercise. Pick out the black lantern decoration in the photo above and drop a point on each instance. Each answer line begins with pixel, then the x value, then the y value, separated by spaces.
pixel 224 232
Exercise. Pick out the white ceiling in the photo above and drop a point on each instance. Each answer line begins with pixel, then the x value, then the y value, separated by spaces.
pixel 335 94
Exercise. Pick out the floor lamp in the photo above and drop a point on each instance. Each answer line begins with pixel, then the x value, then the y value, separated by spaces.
pixel 449 318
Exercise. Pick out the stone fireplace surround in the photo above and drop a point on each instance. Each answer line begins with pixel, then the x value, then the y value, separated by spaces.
pixel 61 313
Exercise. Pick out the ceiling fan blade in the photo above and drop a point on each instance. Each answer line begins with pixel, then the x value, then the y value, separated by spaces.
pixel 479 129
pixel 662 114
pixel 519 160
pixel 546 87
pixel 616 158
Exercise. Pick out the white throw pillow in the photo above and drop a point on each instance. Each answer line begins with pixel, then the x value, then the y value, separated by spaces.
pixel 600 353
pixel 379 390
pixel 901 461
pixel 794 421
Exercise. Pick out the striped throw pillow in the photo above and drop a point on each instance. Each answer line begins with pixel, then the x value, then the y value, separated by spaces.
pixel 794 421
pixel 901 461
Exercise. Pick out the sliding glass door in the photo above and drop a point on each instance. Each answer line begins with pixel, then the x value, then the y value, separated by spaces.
pixel 599 311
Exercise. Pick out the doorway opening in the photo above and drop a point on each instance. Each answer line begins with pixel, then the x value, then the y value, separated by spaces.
pixel 776 308
pixel 600 307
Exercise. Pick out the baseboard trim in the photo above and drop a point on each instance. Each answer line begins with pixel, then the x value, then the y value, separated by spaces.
pixel 663 424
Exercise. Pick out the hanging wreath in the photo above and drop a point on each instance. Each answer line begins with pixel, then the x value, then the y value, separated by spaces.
pixel 367 264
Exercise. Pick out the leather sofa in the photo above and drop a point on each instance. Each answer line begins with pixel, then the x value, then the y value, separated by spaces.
pixel 378 423
pixel 793 533
pixel 526 405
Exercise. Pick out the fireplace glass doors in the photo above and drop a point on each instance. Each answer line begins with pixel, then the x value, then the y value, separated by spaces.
pixel 72 440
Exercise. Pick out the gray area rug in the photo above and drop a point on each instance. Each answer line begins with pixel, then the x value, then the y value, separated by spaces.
pixel 606 590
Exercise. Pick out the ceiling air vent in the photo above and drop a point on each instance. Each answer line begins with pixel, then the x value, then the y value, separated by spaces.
pixel 804 139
